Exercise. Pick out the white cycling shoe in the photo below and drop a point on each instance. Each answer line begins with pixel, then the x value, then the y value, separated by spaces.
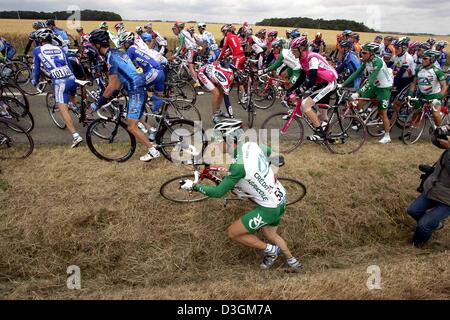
pixel 385 140
pixel 76 142
pixel 150 155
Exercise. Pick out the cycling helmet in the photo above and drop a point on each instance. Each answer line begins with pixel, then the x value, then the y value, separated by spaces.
pixel 433 54
pixel 119 26
pixel 99 36
pixel 228 128
pixel 378 37
pixel 441 44
pixel 401 43
pixel 346 44
pixel 389 38
pixel 39 25
pixel 179 24
pixel 304 33
pixel 249 31
pixel 126 37
pixel 226 28
pixel 148 26
pixel 278 43
pixel 413 45
pixel 288 32
pixel 347 32
pixel 371 47
pixel 44 34
pixel 103 25
pixel 261 32
pixel 50 23
pixel 139 30
pixel 299 42
pixel 201 25
pixel 424 46
pixel 295 34
pixel 355 36
pixel 431 41
pixel 272 33
pixel 318 35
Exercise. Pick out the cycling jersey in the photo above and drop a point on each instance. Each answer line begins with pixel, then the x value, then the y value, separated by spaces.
pixel 55 63
pixel 140 43
pixel 84 38
pixel 187 41
pixel 251 173
pixel 314 61
pixel 317 45
pixel 351 63
pixel 285 57
pixel 443 59
pixel 428 79
pixel 232 41
pixel 120 64
pixel 404 65
pixel 160 42
pixel 357 47
pixel 157 56
pixel 7 49
pixel 213 48
pixel 380 76
pixel 258 45
pixel 62 34
pixel 152 70
pixel 211 75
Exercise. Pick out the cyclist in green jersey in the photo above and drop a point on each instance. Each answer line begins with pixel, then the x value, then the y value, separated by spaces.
pixel 430 82
pixel 251 173
pixel 378 85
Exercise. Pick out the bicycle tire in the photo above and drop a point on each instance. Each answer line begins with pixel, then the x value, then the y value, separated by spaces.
pixel 165 147
pixel 17 136
pixel 339 134
pixel 300 185
pixel 10 89
pixel 264 99
pixel 250 112
pixel 276 122
pixel 411 125
pixel 91 135
pixel 174 184
pixel 19 112
pixel 183 92
pixel 53 111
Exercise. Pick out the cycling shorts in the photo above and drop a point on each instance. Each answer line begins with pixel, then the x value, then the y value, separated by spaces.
pixel 190 55
pixel 323 92
pixel 136 103
pixel 239 62
pixel 262 216
pixel 155 79
pixel 381 94
pixel 293 75
pixel 64 89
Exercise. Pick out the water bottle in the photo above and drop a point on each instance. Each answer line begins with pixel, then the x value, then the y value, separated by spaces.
pixel 93 106
pixel 142 127
pixel 152 134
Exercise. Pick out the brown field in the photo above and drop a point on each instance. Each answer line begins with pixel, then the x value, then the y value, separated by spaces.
pixel 10 28
pixel 64 207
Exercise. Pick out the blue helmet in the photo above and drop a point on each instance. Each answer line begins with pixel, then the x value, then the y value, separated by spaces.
pixel 346 44
pixel 295 34
pixel 347 32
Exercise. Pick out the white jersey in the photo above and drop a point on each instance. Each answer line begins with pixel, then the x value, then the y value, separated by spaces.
pixel 209 39
pixel 157 56
pixel 258 45
pixel 189 42
pixel 406 61
pixel 140 43
pixel 260 181
pixel 54 61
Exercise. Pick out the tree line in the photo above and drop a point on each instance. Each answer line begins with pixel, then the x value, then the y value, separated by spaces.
pixel 86 15
pixel 301 22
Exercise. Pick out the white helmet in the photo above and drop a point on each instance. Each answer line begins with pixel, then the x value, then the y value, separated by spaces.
pixel 139 29
pixel 228 127
pixel 126 37
pixel 148 26
pixel 201 25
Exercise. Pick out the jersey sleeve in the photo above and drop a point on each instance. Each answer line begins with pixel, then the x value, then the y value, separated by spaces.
pixel 277 63
pixel 354 75
pixel 113 67
pixel 313 63
pixel 440 75
pixel 236 173
pixel 37 64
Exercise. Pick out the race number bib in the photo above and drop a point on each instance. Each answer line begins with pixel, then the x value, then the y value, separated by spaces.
pixel 62 72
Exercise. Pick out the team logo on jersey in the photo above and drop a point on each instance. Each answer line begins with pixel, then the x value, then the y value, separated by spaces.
pixel 256 222
pixel 220 76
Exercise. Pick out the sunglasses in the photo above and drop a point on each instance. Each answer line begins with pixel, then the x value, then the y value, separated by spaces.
pixel 364 52
pixel 426 58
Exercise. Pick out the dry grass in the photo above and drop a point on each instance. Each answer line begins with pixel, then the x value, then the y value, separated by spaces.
pixel 11 28
pixel 63 207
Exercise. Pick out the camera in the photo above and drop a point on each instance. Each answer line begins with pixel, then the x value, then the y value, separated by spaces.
pixel 427 171
pixel 440 133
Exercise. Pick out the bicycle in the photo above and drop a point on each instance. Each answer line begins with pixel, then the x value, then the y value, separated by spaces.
pixel 339 138
pixel 269 89
pixel 15 111
pixel 212 175
pixel 414 125
pixel 246 77
pixel 15 142
pixel 108 137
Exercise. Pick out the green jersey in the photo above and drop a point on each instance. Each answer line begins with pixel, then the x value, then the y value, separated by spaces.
pixel 251 173
pixel 429 78
pixel 285 57
pixel 380 76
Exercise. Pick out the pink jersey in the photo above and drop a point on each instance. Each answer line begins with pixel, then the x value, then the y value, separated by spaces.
pixel 325 72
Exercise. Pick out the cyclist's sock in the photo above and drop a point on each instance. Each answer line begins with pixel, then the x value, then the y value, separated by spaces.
pixel 270 249
pixel 76 135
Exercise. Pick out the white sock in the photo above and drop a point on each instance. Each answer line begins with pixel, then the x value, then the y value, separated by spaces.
pixel 76 135
pixel 386 135
pixel 270 248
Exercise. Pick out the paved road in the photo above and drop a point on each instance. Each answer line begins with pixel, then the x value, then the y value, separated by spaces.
pixel 45 130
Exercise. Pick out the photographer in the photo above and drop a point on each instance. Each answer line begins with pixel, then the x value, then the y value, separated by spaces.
pixel 432 207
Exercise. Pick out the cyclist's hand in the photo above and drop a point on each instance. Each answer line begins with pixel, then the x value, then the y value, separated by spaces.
pixel 261 72
pixel 339 86
pixel 354 96
pixel 187 185
pixel 33 82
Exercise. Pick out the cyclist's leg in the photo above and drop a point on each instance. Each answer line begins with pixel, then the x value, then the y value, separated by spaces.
pixel 217 97
pixel 436 107
pixel 64 89
pixel 191 59
pixel 158 84
pixel 270 233
pixel 136 101
pixel 383 95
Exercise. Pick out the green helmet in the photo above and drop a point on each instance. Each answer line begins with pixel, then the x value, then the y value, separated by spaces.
pixel 278 43
pixel 103 25
pixel 371 47
pixel 432 54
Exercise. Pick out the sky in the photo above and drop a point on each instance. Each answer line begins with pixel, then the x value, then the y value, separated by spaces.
pixel 430 16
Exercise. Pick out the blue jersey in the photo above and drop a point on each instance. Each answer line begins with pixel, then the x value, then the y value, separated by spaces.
pixel 142 59
pixel 351 63
pixel 121 65
pixel 53 60
pixel 7 49
pixel 443 59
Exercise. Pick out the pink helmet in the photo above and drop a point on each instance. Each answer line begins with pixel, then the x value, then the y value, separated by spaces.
pixel 272 33
pixel 413 45
pixel 301 41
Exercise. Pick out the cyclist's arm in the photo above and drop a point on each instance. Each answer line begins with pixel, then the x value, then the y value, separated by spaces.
pixel 237 172
pixel 412 88
pixel 276 64
pixel 180 44
pixel 37 66
pixel 354 75
pixel 28 46
pixel 224 48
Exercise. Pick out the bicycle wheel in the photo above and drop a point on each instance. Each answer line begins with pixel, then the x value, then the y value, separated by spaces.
pixel 12 90
pixel 174 110
pixel 251 111
pixel 175 137
pixel 183 92
pixel 374 124
pixel 110 141
pixel 171 190
pixel 295 190
pixel 23 80
pixel 403 113
pixel 341 139
pixel 283 141
pixel 53 110
pixel 264 97
pixel 17 113
pixel 15 142
pixel 414 127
